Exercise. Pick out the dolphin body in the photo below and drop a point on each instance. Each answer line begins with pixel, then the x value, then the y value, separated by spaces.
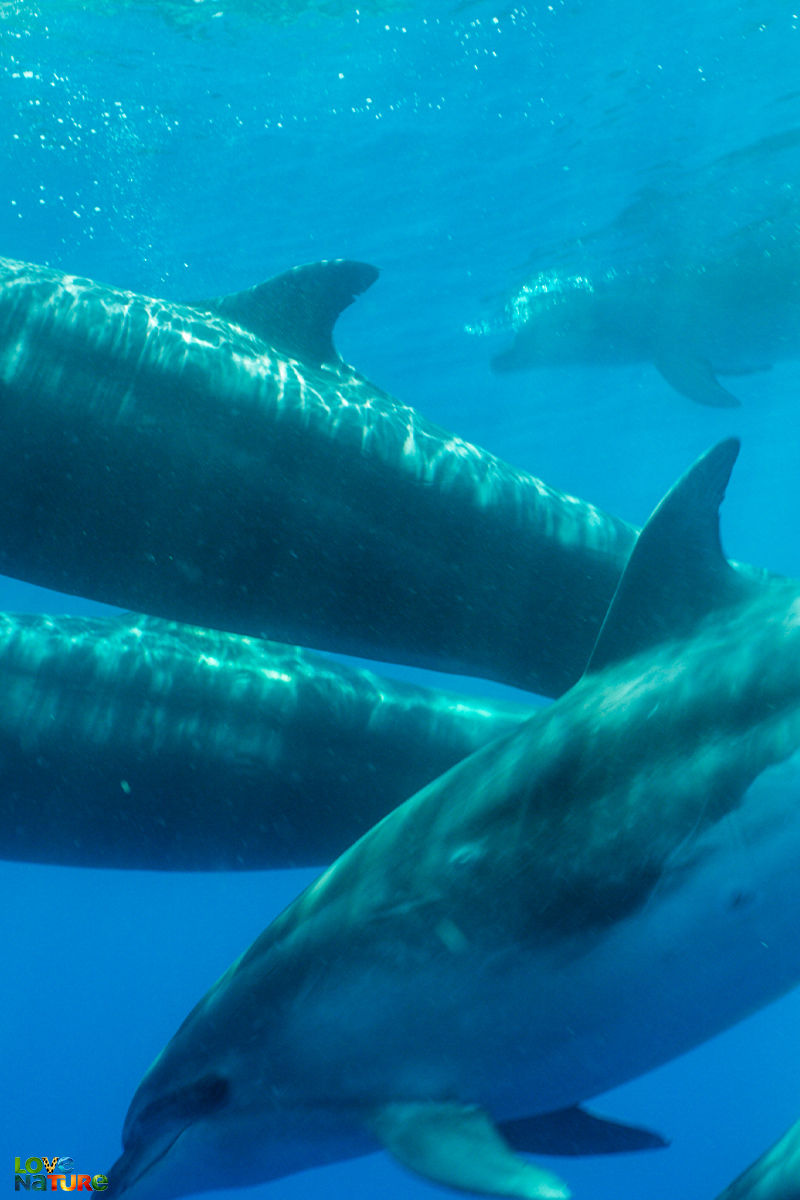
pixel 133 742
pixel 735 314
pixel 775 1176
pixel 220 465
pixel 579 901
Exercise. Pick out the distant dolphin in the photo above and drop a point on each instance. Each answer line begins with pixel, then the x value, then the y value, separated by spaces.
pixel 732 315
pixel 775 1176
pixel 220 465
pixel 131 742
pixel 583 899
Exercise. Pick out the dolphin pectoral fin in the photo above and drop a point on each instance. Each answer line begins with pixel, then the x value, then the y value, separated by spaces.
pixel 574 1131
pixel 296 311
pixel 694 378
pixel 458 1145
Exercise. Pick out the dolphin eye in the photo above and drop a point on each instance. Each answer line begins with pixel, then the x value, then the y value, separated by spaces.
pixel 206 1096
pixel 197 1099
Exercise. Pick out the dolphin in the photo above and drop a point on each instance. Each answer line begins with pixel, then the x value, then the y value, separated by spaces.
pixel 582 899
pixel 218 464
pixel 736 313
pixel 128 741
pixel 774 1176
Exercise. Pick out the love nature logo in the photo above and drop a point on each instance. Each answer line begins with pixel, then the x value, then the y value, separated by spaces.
pixel 51 1174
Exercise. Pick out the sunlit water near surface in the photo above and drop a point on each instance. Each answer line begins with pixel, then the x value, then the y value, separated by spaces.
pixel 190 149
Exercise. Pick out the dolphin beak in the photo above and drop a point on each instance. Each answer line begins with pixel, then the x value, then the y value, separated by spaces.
pixel 123 1174
pixel 133 1166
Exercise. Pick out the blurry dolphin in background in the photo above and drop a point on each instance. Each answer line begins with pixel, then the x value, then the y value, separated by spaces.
pixel 220 465
pixel 583 899
pixel 132 742
pixel 775 1176
pixel 736 313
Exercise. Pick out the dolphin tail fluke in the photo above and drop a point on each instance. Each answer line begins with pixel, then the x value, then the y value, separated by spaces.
pixel 458 1145
pixel 694 378
pixel 296 311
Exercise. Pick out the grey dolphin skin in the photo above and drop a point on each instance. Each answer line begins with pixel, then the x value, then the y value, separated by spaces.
pixel 220 465
pixel 775 1176
pixel 579 901
pixel 735 314
pixel 133 742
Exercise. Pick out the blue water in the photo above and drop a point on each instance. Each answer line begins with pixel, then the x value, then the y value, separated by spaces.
pixel 197 148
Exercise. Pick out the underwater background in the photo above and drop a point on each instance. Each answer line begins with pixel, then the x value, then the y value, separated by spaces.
pixel 187 149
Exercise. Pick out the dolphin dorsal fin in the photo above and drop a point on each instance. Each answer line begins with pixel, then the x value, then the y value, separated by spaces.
pixel 677 573
pixel 296 311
